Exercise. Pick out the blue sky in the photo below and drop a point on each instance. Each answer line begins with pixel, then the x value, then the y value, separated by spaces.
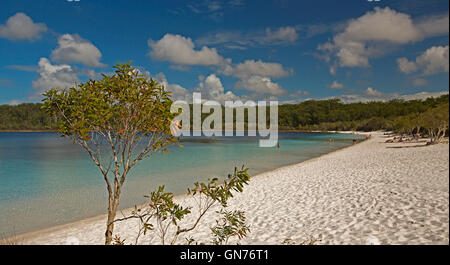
pixel 279 50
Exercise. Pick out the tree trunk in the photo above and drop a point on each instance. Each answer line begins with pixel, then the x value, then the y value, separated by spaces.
pixel 441 134
pixel 417 136
pixel 113 206
pixel 112 209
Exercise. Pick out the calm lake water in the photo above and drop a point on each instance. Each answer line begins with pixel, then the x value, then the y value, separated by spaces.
pixel 46 180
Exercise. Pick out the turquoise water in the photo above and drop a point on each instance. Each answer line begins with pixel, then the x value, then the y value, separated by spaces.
pixel 46 180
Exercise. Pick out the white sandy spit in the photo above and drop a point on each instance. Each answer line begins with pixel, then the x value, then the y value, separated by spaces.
pixel 369 193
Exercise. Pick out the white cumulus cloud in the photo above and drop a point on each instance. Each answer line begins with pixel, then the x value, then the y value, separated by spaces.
pixel 74 49
pixel 178 92
pixel 21 27
pixel 432 61
pixel 212 88
pixel 181 50
pixel 406 66
pixel 376 33
pixel 53 76
pixel 336 85
pixel 261 85
pixel 373 92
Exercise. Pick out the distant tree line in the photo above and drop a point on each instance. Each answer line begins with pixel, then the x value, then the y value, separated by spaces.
pixel 334 115
pixel 322 115
pixel 27 116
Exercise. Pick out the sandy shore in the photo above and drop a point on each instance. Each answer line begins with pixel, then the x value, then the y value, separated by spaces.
pixel 371 192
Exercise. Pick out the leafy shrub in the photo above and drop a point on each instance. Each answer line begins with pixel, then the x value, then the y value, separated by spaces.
pixel 165 217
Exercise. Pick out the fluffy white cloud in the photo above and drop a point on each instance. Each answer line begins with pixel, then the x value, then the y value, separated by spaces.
pixel 261 85
pixel 433 61
pixel 373 92
pixel 406 66
pixel 22 27
pixel 180 50
pixel 74 49
pixel 178 92
pixel 381 25
pixel 336 85
pixel 374 33
pixel 53 76
pixel 211 88
pixel 260 68
pixel 255 76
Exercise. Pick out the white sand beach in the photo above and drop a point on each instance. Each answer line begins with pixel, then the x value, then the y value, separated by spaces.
pixel 369 193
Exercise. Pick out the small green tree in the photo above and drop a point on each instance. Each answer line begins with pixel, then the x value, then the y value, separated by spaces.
pixel 405 125
pixel 163 215
pixel 119 120
pixel 436 121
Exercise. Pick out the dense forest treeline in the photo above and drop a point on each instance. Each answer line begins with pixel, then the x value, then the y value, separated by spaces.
pixel 334 115
pixel 324 115
pixel 26 116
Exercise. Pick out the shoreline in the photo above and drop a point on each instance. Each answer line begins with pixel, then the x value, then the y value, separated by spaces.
pixel 336 197
pixel 25 131
pixel 31 234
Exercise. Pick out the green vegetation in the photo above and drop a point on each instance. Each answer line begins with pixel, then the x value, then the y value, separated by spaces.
pixel 124 118
pixel 324 115
pixel 27 116
pixel 332 114
pixel 119 120
pixel 435 121
pixel 163 216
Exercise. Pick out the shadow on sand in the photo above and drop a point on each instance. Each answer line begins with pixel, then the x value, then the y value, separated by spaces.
pixel 408 146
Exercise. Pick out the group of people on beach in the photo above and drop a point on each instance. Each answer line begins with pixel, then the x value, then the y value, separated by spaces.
pixel 402 138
